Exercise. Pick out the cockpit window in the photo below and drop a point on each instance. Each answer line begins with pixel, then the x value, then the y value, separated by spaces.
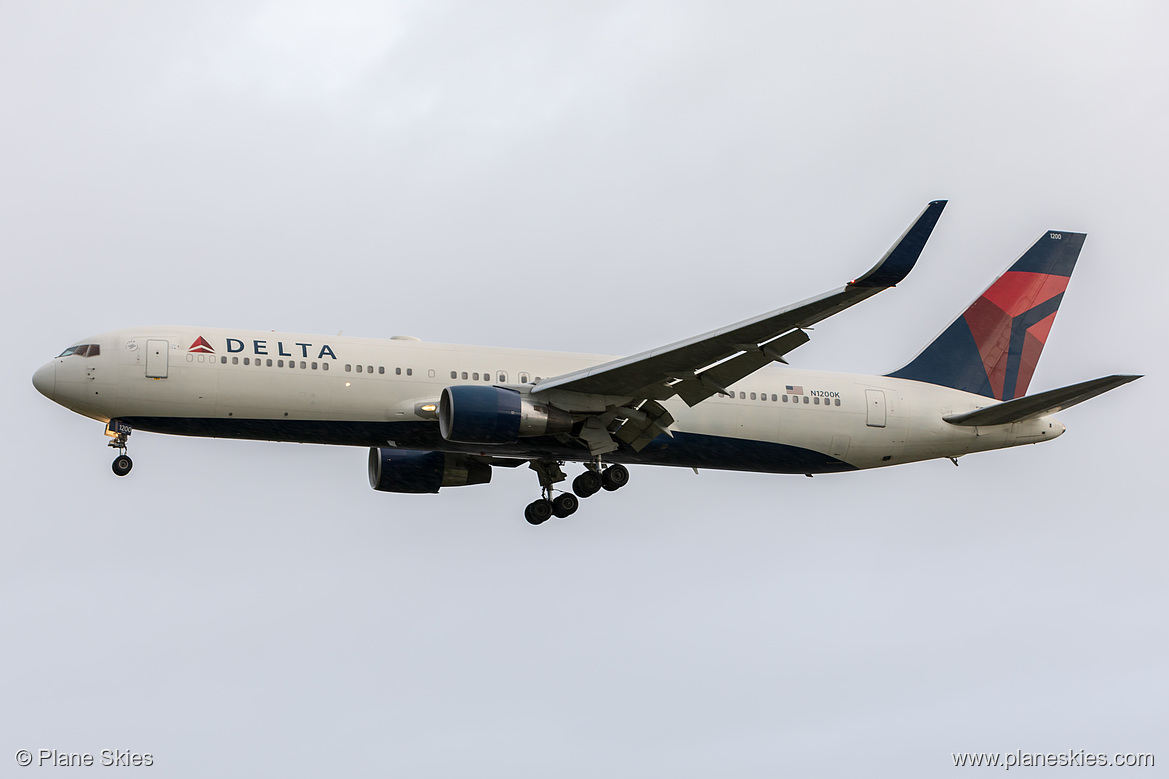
pixel 82 350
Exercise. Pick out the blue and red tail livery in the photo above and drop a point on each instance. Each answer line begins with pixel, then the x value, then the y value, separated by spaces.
pixel 993 348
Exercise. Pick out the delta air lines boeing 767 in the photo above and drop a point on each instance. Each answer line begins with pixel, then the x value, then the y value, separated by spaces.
pixel 444 415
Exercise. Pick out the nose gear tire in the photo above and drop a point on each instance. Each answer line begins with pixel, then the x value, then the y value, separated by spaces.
pixel 122 465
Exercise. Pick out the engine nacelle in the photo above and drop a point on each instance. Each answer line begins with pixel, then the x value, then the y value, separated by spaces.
pixel 408 470
pixel 492 415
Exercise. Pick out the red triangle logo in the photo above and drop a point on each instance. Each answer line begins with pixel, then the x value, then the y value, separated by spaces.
pixel 201 346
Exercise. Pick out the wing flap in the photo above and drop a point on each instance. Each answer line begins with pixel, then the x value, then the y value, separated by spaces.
pixel 1039 405
pixel 718 377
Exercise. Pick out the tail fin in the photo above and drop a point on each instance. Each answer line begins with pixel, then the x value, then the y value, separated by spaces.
pixel 993 348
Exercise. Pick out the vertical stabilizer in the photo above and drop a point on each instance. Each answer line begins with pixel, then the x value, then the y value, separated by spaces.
pixel 993 348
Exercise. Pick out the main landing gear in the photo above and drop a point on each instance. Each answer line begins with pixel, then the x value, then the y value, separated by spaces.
pixel 119 431
pixel 563 505
pixel 593 480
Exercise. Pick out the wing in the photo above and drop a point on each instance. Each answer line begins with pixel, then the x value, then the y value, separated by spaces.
pixel 699 367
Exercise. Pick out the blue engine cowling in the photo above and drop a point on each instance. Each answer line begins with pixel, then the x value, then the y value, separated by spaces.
pixel 409 470
pixel 479 415
pixel 495 415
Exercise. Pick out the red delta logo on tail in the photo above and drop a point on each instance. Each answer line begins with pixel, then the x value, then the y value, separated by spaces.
pixel 200 346
pixel 993 348
pixel 1010 323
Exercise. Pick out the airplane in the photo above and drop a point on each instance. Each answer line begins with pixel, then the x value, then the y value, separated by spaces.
pixel 444 415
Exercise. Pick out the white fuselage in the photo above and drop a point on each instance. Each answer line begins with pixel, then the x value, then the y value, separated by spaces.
pixel 370 392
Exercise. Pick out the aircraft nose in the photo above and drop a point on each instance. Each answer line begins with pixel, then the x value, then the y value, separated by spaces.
pixel 45 379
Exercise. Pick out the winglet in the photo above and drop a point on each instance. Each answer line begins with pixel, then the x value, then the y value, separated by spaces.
pixel 900 259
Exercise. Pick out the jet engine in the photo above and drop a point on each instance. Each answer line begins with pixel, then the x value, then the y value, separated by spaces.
pixel 494 415
pixel 408 470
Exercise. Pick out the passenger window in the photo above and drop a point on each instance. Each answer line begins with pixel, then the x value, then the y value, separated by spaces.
pixel 280 363
pixel 302 366
pixel 349 367
pixel 369 369
pixel 314 366
pixel 409 371
pixel 475 376
pixel 235 361
pixel 324 366
pixel 805 400
pixel 816 400
pixel 773 398
pixel 247 361
pixel 269 361
pixel 752 396
pixel 464 375
pixel 502 377
pixel 454 374
pixel 838 401
pixel 742 396
pixel 785 398
pixel 524 378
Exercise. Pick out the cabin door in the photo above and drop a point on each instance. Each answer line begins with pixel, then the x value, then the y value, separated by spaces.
pixel 156 357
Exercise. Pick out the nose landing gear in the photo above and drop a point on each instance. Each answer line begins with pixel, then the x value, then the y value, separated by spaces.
pixel 119 431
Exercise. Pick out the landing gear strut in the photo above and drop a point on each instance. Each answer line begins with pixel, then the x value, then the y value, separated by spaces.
pixel 593 480
pixel 119 431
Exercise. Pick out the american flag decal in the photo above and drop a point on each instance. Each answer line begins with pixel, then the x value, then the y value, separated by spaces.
pixel 798 389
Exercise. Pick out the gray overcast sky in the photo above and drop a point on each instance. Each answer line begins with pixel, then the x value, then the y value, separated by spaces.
pixel 601 177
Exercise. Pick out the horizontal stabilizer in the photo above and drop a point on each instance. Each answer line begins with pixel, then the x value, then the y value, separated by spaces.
pixel 1039 405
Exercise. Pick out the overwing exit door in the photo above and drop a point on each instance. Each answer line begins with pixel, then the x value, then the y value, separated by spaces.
pixel 875 401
